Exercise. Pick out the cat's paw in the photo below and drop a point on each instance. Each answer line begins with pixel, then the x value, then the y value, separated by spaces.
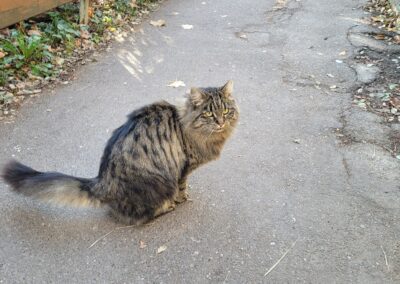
pixel 181 197
pixel 183 186
pixel 166 207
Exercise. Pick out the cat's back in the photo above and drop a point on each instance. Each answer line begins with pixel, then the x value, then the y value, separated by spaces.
pixel 153 113
pixel 145 128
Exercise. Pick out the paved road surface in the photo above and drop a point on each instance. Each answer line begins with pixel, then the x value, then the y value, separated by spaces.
pixel 335 208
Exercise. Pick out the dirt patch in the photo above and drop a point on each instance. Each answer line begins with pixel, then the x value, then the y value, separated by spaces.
pixel 375 118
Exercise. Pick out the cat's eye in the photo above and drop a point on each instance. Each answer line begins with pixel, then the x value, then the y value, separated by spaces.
pixel 225 111
pixel 207 113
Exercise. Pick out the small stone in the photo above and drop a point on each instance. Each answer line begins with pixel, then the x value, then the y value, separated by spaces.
pixel 366 74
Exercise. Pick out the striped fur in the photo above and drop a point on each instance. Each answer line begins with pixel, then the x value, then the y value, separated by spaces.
pixel 147 160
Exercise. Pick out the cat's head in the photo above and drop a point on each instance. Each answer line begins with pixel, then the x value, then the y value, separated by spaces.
pixel 211 111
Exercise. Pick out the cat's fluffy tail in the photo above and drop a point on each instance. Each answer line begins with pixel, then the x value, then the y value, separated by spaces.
pixel 50 186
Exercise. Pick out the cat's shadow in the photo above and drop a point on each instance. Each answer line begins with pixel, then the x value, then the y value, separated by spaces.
pixel 52 227
pixel 47 226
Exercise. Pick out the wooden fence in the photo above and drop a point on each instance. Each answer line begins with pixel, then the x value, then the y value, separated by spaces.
pixel 14 11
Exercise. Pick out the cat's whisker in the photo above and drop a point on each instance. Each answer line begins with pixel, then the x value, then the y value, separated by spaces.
pixel 212 131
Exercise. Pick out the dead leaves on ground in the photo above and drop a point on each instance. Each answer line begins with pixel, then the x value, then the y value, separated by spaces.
pixel 176 84
pixel 383 16
pixel 161 249
pixel 158 23
pixel 187 27
pixel 142 244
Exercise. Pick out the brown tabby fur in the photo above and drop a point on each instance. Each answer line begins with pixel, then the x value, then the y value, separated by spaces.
pixel 147 160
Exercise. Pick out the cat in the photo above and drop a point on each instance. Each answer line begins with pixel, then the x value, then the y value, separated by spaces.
pixel 146 162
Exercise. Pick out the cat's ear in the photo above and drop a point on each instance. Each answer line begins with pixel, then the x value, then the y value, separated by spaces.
pixel 227 89
pixel 196 96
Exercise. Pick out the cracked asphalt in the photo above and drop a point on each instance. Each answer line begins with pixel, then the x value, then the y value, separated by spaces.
pixel 287 202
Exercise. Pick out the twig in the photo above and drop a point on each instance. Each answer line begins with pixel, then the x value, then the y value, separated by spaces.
pixel 103 236
pixel 386 260
pixel 226 276
pixel 279 260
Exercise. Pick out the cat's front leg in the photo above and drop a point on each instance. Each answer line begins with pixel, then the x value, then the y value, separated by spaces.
pixel 182 195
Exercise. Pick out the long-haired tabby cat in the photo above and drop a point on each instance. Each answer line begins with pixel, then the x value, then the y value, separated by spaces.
pixel 147 160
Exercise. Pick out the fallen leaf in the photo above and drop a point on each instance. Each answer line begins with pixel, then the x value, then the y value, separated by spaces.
pixel 5 32
pixel 34 32
pixel 87 44
pixel 21 85
pixel 176 84
pixel 59 60
pixel 142 244
pixel 158 23
pixel 395 102
pixel 85 34
pixel 362 105
pixel 187 27
pixel 377 18
pixel 90 12
pixel 379 36
pixel 2 54
pixel 133 4
pixel 397 39
pixel 161 249
pixel 78 42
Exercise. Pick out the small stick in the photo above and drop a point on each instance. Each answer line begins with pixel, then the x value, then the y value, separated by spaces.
pixel 226 276
pixel 103 236
pixel 386 260
pixel 279 260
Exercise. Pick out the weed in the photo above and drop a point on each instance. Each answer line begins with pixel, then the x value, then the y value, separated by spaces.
pixel 23 51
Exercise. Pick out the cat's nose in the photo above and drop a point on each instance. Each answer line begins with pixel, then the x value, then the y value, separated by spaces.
pixel 220 122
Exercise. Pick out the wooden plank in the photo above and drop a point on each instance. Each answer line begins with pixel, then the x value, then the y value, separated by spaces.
pixel 13 11
pixel 84 12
